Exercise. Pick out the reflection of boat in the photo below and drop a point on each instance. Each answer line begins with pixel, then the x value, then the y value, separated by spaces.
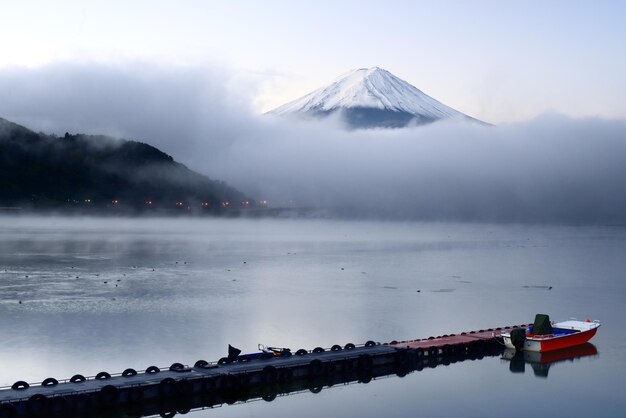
pixel 541 362
pixel 545 336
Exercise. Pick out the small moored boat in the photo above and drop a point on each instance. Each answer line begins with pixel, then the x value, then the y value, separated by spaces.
pixel 545 336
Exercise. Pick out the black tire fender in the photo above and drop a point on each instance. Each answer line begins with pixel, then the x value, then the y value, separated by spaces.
pixel 77 378
pixel 152 370
pixel 129 372
pixel 176 367
pixel 183 409
pixel 201 364
pixel 167 414
pixel 269 397
pixel 50 381
pixel 316 388
pixel 20 385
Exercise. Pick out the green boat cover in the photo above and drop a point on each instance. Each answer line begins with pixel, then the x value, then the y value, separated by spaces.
pixel 542 325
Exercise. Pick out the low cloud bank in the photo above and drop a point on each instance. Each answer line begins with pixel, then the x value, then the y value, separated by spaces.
pixel 550 169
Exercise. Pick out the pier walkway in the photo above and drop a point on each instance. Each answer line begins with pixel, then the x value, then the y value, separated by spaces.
pixel 223 381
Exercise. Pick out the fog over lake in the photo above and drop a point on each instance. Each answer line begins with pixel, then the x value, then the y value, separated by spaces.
pixel 111 293
pixel 552 168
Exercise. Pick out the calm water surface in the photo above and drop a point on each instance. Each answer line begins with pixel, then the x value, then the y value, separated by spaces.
pixel 107 294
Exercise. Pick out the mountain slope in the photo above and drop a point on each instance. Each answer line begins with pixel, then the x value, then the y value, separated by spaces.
pixel 371 97
pixel 43 170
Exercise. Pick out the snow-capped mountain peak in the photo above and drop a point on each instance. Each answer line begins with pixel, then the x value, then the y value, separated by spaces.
pixel 371 97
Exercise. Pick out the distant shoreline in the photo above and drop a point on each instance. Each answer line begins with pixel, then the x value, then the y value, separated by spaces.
pixel 273 213
pixel 279 212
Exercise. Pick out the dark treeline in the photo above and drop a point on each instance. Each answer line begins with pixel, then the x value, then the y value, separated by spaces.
pixel 44 171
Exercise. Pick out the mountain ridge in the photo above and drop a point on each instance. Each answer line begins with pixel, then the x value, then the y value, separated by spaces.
pixel 43 170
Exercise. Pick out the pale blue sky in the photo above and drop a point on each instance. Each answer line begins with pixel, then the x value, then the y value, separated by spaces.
pixel 496 60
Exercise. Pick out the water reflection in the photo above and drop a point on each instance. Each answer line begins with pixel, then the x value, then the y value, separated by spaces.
pixel 541 362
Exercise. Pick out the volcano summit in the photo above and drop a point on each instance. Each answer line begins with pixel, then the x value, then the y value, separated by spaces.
pixel 371 98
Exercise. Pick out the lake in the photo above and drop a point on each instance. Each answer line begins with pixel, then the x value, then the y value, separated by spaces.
pixel 82 295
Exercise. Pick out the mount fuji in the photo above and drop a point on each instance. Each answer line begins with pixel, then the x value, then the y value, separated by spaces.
pixel 371 98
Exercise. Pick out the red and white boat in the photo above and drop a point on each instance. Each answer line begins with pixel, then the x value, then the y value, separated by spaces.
pixel 544 335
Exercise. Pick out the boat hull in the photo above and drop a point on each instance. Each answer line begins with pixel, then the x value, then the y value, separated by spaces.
pixel 543 343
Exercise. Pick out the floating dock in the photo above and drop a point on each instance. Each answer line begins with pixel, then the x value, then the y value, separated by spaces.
pixel 180 388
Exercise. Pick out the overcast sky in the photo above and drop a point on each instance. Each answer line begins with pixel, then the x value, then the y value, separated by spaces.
pixel 499 61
